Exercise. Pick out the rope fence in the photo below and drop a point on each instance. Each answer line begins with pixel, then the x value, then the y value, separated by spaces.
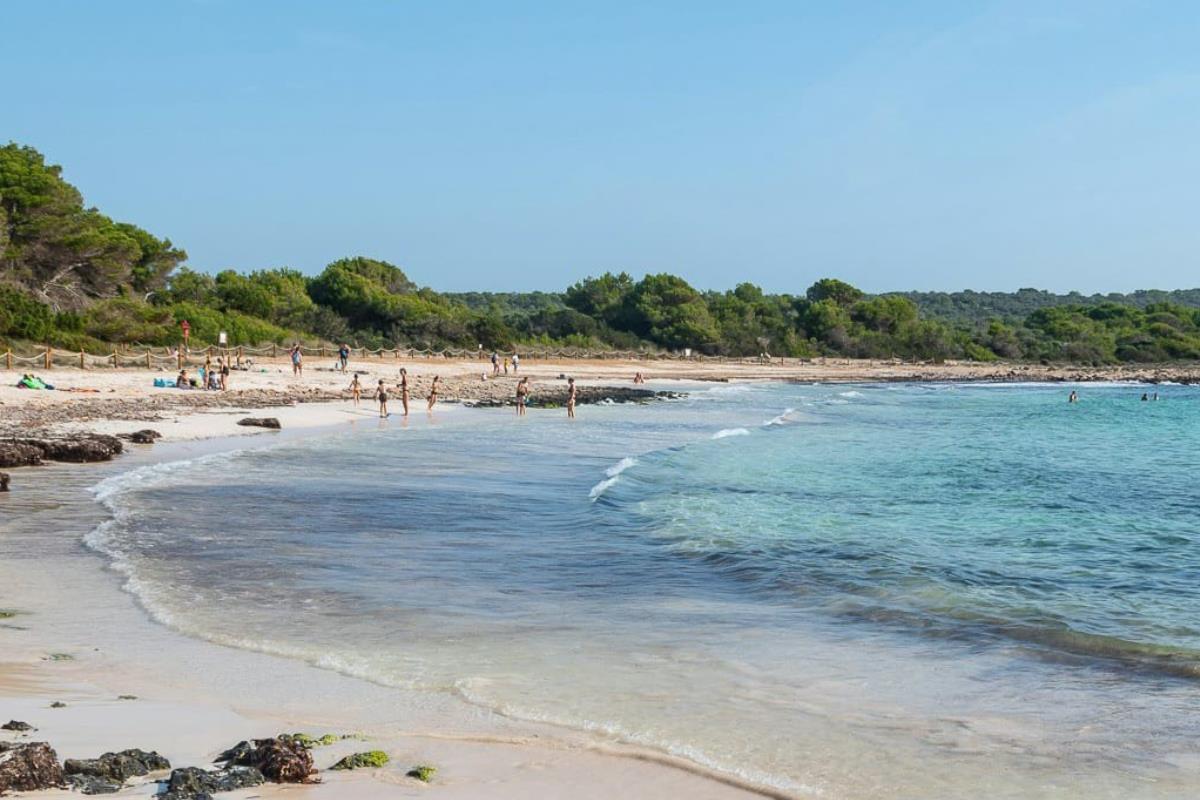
pixel 166 357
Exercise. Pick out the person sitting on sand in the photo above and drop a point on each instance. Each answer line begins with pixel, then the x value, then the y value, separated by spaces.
pixel 433 392
pixel 571 396
pixel 212 382
pixel 522 393
pixel 355 389
pixel 182 381
pixel 381 396
pixel 404 389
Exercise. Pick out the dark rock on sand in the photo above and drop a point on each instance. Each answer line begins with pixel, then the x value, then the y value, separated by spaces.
pixel 17 725
pixel 193 783
pixel 16 453
pixel 146 436
pixel 3 481
pixel 90 784
pixel 117 767
pixel 260 422
pixel 28 767
pixel 282 759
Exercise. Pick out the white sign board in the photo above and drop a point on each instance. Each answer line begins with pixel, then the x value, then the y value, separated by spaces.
pixel 222 339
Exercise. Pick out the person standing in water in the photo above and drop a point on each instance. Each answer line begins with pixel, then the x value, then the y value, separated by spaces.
pixel 522 393
pixel 381 396
pixel 571 394
pixel 355 389
pixel 1073 397
pixel 404 389
pixel 433 390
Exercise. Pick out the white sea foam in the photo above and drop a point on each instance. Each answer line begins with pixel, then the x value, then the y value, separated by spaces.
pixel 620 466
pixel 614 475
pixel 851 393
pixel 781 419
pixel 730 432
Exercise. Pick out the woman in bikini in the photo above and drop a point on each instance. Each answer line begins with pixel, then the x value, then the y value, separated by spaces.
pixel 355 389
pixel 404 389
pixel 522 393
pixel 571 398
pixel 433 390
pixel 381 396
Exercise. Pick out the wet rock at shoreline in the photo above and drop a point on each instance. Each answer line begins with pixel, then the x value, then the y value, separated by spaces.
pixel 144 436
pixel 16 453
pixel 117 767
pixel 90 784
pixel 22 452
pixel 28 767
pixel 282 759
pixel 17 725
pixel 260 422
pixel 193 783
pixel 4 481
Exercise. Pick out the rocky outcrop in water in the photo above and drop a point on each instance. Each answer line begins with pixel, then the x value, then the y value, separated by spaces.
pixel 17 725
pixel 193 783
pixel 555 396
pixel 260 422
pixel 28 767
pixel 282 759
pixel 22 452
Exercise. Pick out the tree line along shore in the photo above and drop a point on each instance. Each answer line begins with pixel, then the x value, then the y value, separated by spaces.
pixel 75 279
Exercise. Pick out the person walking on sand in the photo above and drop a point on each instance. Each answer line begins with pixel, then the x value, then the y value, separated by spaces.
pixel 516 363
pixel 404 389
pixel 344 355
pixel 433 390
pixel 355 389
pixel 495 363
pixel 522 394
pixel 381 396
pixel 297 360
pixel 223 369
pixel 571 396
pixel 506 365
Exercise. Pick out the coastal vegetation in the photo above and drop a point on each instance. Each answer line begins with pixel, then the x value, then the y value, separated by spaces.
pixel 74 278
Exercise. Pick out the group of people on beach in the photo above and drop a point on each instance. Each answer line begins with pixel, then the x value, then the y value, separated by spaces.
pixel 381 392
pixel 213 378
pixel 496 363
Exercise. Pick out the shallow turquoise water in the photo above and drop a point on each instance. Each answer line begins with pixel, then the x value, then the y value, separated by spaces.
pixel 837 590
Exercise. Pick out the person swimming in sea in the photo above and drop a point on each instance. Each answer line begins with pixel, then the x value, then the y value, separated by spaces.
pixel 522 393
pixel 1145 397
pixel 433 392
pixel 1073 397
pixel 571 396
pixel 381 396
pixel 404 389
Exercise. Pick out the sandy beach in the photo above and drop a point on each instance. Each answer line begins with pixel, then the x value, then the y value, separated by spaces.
pixel 78 639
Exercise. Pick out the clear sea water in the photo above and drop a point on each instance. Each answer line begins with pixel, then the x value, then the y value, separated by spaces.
pixel 917 591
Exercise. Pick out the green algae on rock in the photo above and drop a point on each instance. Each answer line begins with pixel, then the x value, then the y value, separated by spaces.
pixel 371 758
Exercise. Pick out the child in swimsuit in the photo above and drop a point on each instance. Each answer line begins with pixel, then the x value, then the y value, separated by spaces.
pixel 355 389
pixel 381 396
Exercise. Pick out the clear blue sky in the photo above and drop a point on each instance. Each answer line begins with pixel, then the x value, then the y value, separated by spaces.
pixel 510 145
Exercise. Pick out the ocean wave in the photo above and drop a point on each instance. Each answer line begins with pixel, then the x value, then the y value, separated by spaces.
pixel 725 434
pixel 851 393
pixel 613 474
pixel 780 419
pixel 620 466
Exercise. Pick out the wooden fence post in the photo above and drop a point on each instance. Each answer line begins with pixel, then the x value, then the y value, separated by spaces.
pixel 81 360
pixel 8 360
pixel 49 358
